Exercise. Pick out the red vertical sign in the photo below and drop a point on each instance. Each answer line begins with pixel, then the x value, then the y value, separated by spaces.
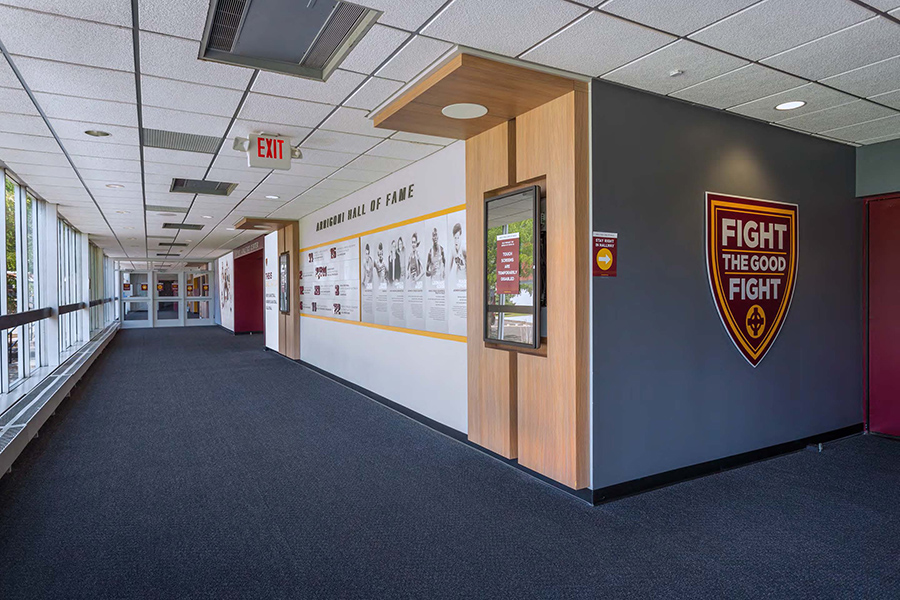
pixel 508 263
pixel 126 286
pixel 175 288
pixel 605 253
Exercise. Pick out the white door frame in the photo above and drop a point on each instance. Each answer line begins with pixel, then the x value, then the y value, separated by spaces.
pixel 148 300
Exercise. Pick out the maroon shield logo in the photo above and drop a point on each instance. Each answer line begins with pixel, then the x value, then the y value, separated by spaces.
pixel 751 258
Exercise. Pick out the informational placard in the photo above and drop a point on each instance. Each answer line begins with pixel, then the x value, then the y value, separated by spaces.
pixel 159 287
pixel 284 283
pixel 144 287
pixel 174 289
pixel 206 289
pixel 508 263
pixel 190 288
pixel 126 286
pixel 751 254
pixel 270 284
pixel 605 253
pixel 414 276
pixel 329 280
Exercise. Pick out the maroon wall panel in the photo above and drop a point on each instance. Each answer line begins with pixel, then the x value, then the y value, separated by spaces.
pixel 884 316
pixel 249 298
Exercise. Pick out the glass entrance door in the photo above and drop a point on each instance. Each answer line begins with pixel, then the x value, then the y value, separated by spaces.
pixel 169 300
pixel 198 309
pixel 136 299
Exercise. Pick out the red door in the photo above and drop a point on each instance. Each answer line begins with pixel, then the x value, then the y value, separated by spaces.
pixel 884 315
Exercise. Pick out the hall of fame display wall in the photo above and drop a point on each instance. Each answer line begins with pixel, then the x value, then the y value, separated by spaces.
pixel 329 280
pixel 414 276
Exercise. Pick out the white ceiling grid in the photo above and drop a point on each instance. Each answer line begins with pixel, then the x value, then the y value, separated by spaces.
pixel 77 58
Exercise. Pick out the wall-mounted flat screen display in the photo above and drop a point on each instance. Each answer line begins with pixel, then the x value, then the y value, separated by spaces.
pixel 511 281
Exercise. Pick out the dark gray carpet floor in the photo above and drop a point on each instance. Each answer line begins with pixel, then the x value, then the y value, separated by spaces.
pixel 191 464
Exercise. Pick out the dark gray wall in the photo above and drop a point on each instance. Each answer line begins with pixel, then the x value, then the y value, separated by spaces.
pixel 878 169
pixel 670 389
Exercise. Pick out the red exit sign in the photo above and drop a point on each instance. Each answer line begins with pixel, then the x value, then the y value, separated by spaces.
pixel 269 151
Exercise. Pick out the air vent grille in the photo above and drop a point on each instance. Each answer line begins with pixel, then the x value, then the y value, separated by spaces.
pixel 168 255
pixel 305 38
pixel 338 28
pixel 160 208
pixel 225 25
pixel 202 186
pixel 172 244
pixel 186 142
pixel 189 226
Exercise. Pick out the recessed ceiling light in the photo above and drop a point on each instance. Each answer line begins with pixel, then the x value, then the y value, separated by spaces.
pixel 166 214
pixel 97 133
pixel 129 227
pixel 261 226
pixel 464 110
pixel 115 186
pixel 676 73
pixel 122 212
pixel 273 197
pixel 229 229
pixel 207 217
pixel 790 105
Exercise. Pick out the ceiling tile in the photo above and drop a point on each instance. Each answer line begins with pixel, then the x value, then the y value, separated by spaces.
pixel 243 128
pixel 884 5
pixel 876 78
pixel 403 13
pixel 41 35
pixel 422 139
pixel 738 87
pixel 851 48
pixel 697 63
pixel 891 99
pixel 32 142
pixel 25 124
pixel 292 180
pixel 77 80
pixel 52 159
pixel 300 168
pixel 675 16
pixel 109 176
pixel 286 111
pixel 373 49
pixel 375 91
pixel 16 101
pixel 403 150
pixel 774 26
pixel 110 164
pixel 183 18
pixel 817 98
pixel 378 163
pixel 503 26
pixel 349 174
pixel 352 120
pixel 328 159
pixel 7 76
pixel 180 95
pixel 176 157
pixel 881 129
pixel 840 116
pixel 186 122
pixel 175 58
pixel 597 44
pixel 340 185
pixel 338 142
pixel 334 91
pixel 83 109
pixel 67 129
pixel 113 12
pixel 416 56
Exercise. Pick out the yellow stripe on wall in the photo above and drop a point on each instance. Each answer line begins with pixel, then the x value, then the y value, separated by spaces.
pixel 439 213
pixel 440 336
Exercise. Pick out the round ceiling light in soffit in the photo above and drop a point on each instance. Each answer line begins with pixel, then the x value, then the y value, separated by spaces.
pixel 792 105
pixel 97 133
pixel 464 110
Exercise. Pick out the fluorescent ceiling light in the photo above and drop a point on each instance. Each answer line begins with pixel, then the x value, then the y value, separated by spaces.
pixel 97 133
pixel 464 110
pixel 793 104
pixel 207 217
pixel 115 186
pixel 273 197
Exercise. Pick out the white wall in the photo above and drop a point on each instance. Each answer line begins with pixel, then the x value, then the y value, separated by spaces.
pixel 424 373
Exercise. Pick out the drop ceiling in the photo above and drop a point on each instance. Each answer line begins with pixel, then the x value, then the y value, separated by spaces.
pixel 123 65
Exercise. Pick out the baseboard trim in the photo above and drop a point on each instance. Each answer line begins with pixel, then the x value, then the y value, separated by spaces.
pixel 667 478
pixel 459 436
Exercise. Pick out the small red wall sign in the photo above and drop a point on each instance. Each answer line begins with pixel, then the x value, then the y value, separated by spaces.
pixel 605 253
pixel 126 286
pixel 508 263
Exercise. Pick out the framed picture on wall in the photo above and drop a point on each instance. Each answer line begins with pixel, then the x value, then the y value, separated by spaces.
pixel 284 283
